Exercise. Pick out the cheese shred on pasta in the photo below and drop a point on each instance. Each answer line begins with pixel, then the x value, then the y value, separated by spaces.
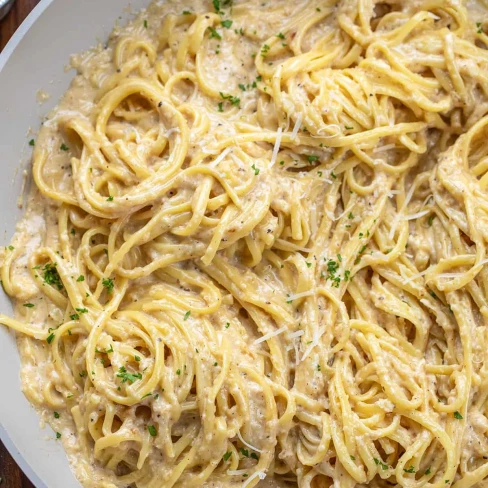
pixel 256 248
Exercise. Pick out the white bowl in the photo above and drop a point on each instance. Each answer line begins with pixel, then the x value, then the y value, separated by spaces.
pixel 34 60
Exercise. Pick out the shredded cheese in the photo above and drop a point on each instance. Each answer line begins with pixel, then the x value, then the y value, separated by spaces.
pixel 416 215
pixel 260 474
pixel 269 335
pixel 300 295
pixel 276 146
pixel 298 124
pixel 315 341
pixel 296 334
pixel 221 157
pixel 247 443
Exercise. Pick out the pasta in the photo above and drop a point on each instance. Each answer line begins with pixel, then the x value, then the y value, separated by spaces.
pixel 255 252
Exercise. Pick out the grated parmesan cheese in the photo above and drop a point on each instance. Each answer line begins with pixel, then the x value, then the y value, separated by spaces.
pixel 269 335
pixel 247 444
pixel 276 146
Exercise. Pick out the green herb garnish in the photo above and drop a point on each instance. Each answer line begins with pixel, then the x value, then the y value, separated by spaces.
pixel 108 284
pixel 130 377
pixel 214 34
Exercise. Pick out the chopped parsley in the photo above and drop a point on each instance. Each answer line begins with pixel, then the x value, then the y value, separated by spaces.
pixel 128 376
pixel 230 98
pixel 411 469
pixel 137 358
pixel 227 325
pixel 334 176
pixel 311 158
pixel 380 463
pixel 431 219
pixel 186 12
pixel 74 316
pixel 280 35
pixel 216 4
pixel 350 216
pixel 352 458
pixel 50 338
pixel 332 267
pixel 319 368
pixel 145 24
pixel 309 265
pixel 244 452
pixel 347 274
pixel 32 142
pixel 214 34
pixel 227 456
pixel 58 435
pixel 108 284
pixel 28 305
pixel 256 170
pixel 187 314
pixel 479 25
pixel 360 253
pixel 64 147
pixel 80 278
pixel 56 415
pixel 264 51
pixel 110 199
pixel 51 276
pixel 457 415
pixel 227 24
pixel 348 127
pixel 11 248
pixel 178 372
pixel 427 471
pixel 152 430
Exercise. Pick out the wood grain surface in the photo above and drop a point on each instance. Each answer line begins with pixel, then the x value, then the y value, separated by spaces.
pixel 10 474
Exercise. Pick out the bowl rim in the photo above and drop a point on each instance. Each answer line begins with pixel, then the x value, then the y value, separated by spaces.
pixel 5 55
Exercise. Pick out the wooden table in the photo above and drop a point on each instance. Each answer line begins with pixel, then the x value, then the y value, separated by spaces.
pixel 10 474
